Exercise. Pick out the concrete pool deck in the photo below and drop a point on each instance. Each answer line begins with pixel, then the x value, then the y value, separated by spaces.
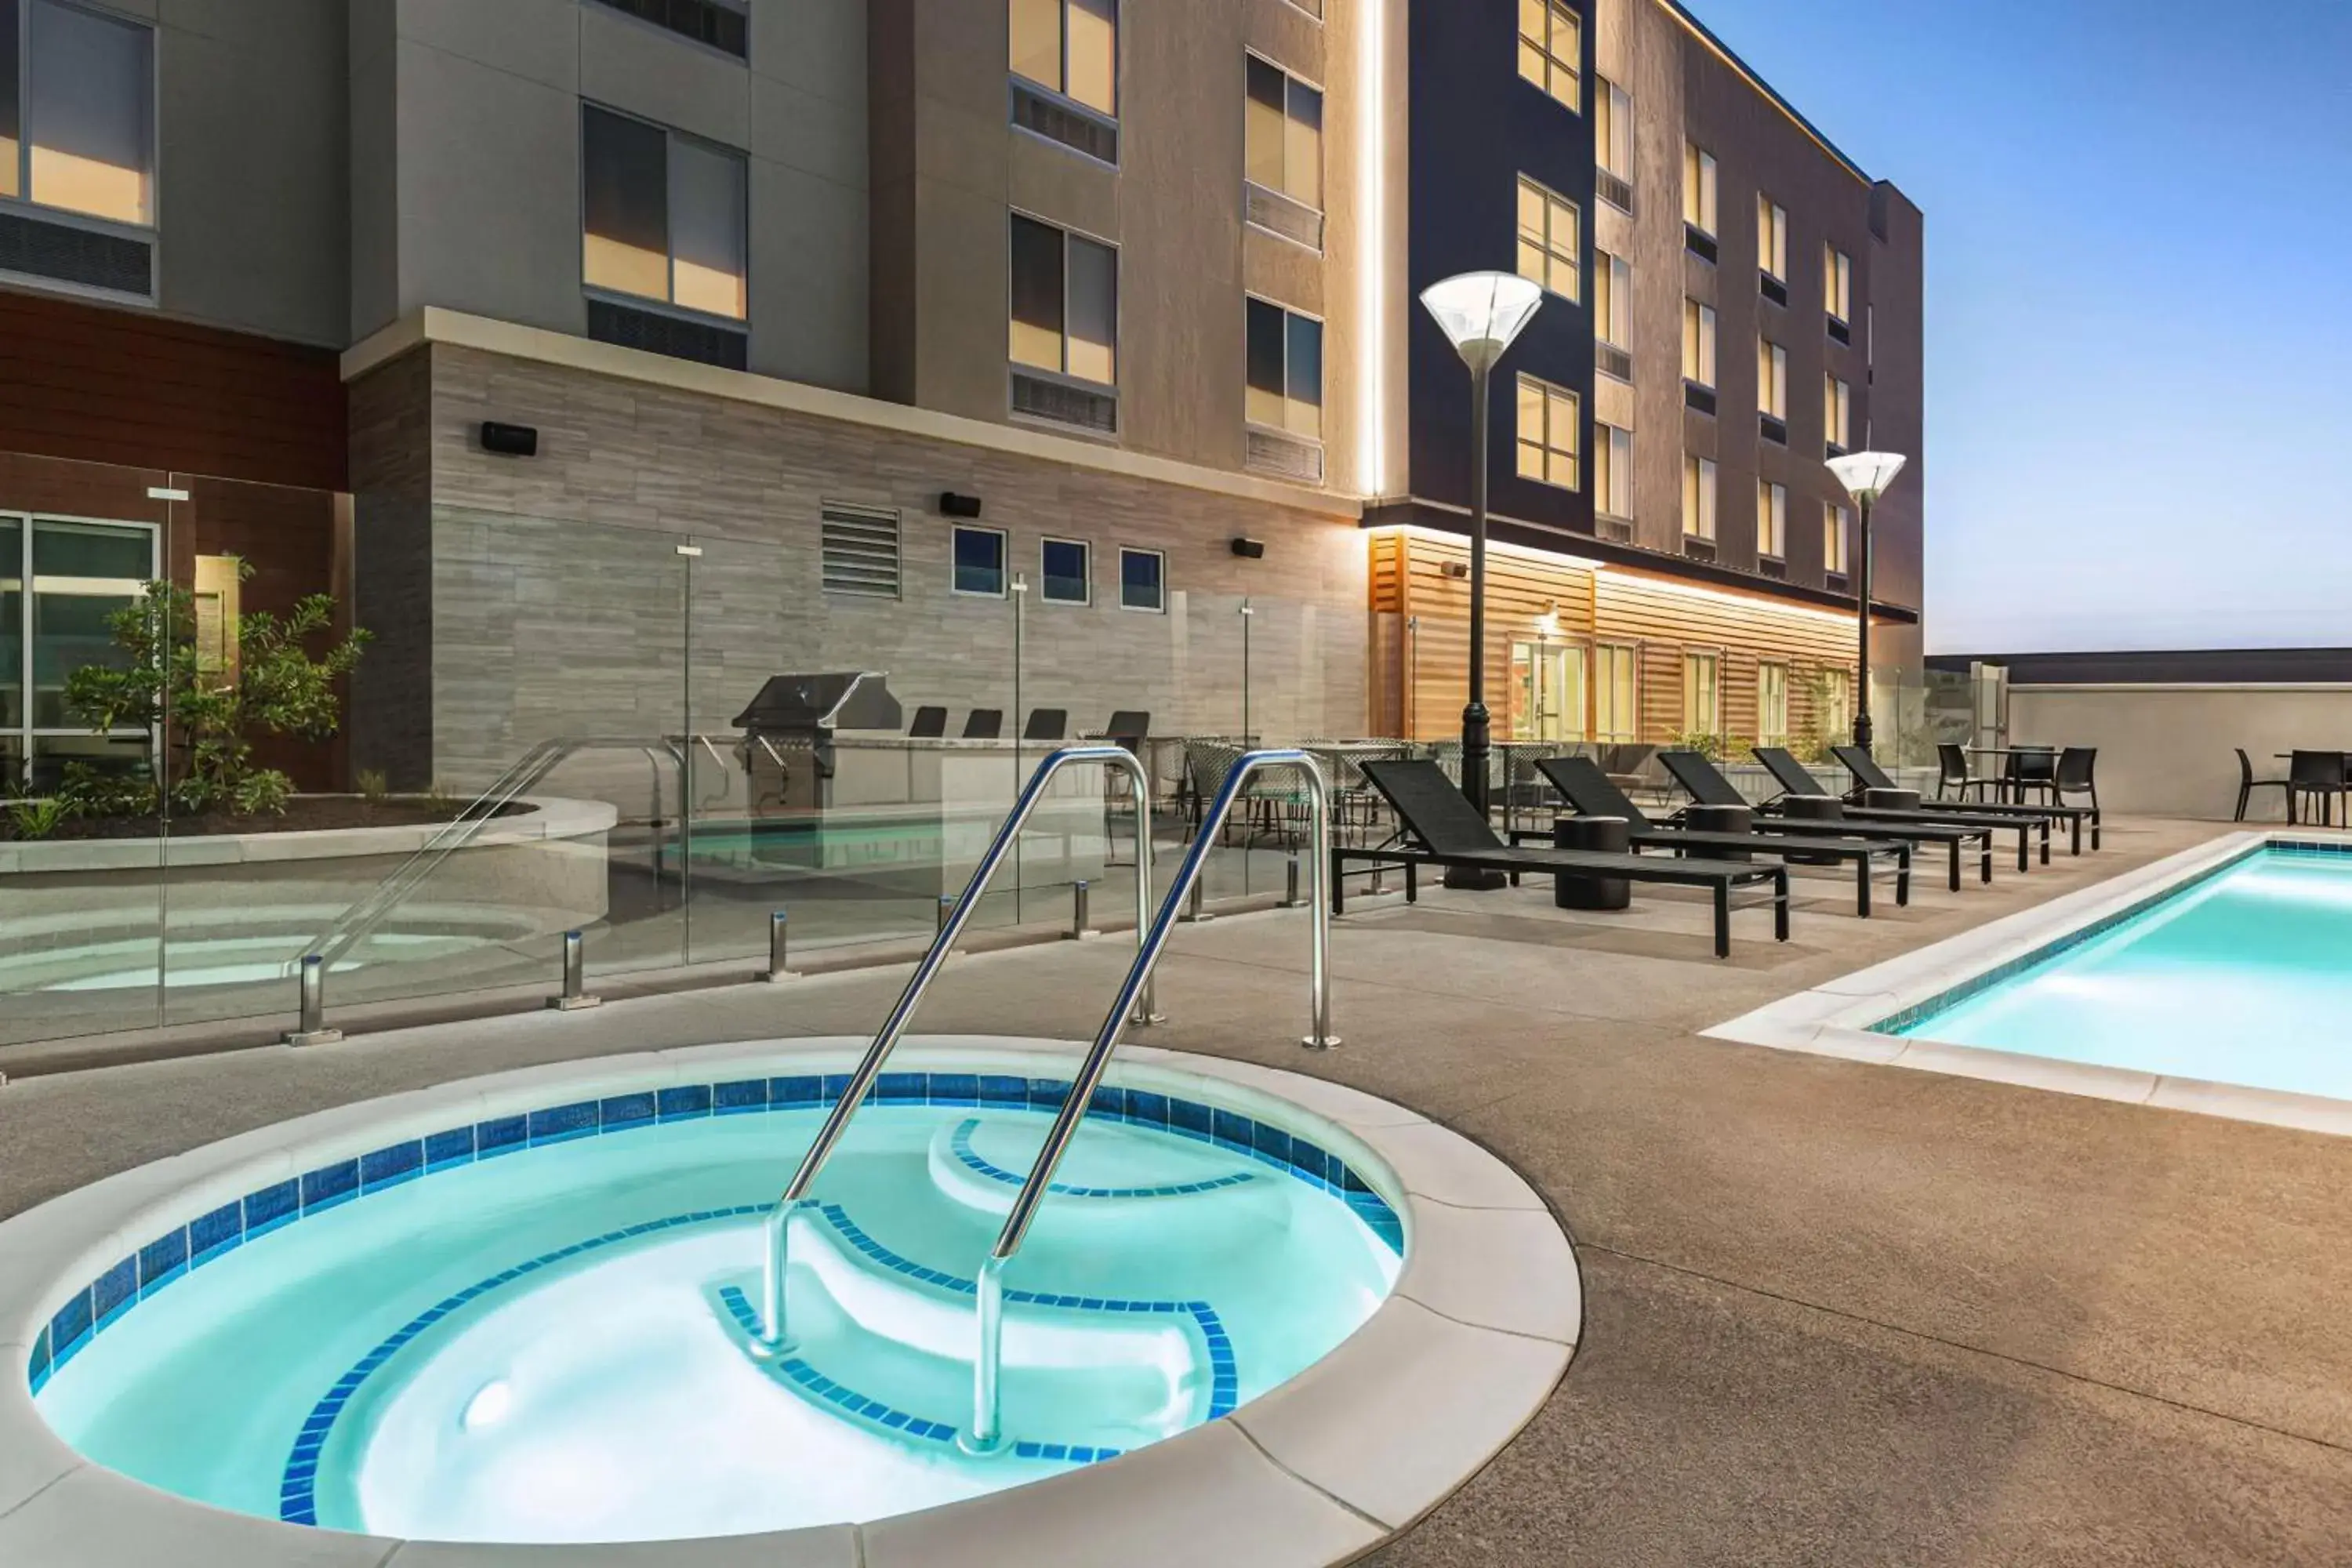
pixel 1835 1312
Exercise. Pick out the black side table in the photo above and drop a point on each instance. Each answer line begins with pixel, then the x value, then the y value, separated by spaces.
pixel 1597 835
pixel 1721 819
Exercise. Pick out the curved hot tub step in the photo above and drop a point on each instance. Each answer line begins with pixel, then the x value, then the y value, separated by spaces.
pixel 981 1162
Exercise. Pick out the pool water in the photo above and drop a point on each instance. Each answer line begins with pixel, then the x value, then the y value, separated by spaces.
pixel 2242 977
pixel 552 1346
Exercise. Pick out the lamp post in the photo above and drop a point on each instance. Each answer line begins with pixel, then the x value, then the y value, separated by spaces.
pixel 1481 312
pixel 1865 475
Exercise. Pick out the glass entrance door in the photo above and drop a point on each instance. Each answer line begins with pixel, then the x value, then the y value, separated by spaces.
pixel 1547 691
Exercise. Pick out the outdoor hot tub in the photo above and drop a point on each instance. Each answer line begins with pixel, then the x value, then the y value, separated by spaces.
pixel 525 1309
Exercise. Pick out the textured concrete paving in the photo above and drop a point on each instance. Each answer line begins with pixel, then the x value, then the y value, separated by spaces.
pixel 1836 1313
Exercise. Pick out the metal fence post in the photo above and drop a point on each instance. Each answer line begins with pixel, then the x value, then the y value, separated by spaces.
pixel 311 1029
pixel 574 996
pixel 1193 913
pixel 778 968
pixel 1290 884
pixel 1081 928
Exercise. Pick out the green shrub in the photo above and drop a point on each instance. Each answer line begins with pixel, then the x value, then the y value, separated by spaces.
pixel 37 818
pixel 373 788
pixel 278 688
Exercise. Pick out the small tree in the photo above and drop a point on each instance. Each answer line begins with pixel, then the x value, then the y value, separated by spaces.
pixel 276 687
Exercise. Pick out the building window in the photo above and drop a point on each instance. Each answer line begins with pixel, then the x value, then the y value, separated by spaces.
pixel 1143 581
pixel 1698 188
pixel 1833 539
pixel 1283 134
pixel 59 582
pixel 1552 248
pixel 1069 47
pixel 1698 497
pixel 979 562
pixel 1612 299
pixel 1772 704
pixel 1837 283
pixel 1612 129
pixel 1698 343
pixel 663 215
pixel 1065 572
pixel 1771 520
pixel 81 136
pixel 1612 475
pixel 1548 419
pixel 1772 239
pixel 1064 305
pixel 724 25
pixel 1285 369
pixel 1551 47
pixel 1616 690
pixel 1837 412
pixel 1837 717
pixel 1702 694
pixel 1771 379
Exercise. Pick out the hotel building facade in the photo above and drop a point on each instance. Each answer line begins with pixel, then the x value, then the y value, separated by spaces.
pixel 605 357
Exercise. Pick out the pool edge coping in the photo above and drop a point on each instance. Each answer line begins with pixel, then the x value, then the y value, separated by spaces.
pixel 1476 1232
pixel 1841 1018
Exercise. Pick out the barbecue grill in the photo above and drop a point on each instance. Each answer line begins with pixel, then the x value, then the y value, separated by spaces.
pixel 788 731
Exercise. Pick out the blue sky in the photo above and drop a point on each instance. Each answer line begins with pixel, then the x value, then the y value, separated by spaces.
pixel 2139 261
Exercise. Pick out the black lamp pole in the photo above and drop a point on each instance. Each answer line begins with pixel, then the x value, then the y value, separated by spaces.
pixel 1474 717
pixel 1862 635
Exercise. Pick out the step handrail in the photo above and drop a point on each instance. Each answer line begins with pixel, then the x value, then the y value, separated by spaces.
pixel 986 1436
pixel 355 923
pixel 775 1339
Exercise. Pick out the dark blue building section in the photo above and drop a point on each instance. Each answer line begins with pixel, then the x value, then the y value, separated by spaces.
pixel 1477 127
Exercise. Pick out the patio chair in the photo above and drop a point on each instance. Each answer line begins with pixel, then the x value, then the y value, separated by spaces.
pixel 2032 774
pixel 1793 776
pixel 2075 775
pixel 983 724
pixel 1706 786
pixel 929 724
pixel 1446 830
pixel 2248 783
pixel 1952 772
pixel 2310 774
pixel 1047 724
pixel 1869 775
pixel 1590 792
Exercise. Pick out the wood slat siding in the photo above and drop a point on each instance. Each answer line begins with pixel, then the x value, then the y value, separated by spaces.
pixel 95 385
pixel 1418 675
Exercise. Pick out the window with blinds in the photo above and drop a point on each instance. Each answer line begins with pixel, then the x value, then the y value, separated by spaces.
pixel 859 549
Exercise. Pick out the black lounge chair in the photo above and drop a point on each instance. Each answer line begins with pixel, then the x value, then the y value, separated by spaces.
pixel 1450 832
pixel 929 724
pixel 983 724
pixel 1792 776
pixel 2248 783
pixel 1706 786
pixel 1591 793
pixel 1047 724
pixel 1868 775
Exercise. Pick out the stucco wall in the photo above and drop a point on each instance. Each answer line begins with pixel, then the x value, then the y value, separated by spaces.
pixel 2165 749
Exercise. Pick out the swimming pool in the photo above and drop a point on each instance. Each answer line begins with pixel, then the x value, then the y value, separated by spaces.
pixel 535 1323
pixel 2239 976
pixel 2214 980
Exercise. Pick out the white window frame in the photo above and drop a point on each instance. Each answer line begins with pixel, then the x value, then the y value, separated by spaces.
pixel 1552 393
pixel 1119 306
pixel 1159 555
pixel 1837 290
pixel 1322 153
pixel 1701 480
pixel 1004 561
pixel 1045 579
pixel 1059 92
pixel 27 582
pixel 1771 238
pixel 1837 411
pixel 1322 412
pixel 1837 539
pixel 1771 379
pixel 1699 329
pixel 1772 515
pixel 1553 205
pixel 1712 658
pixel 1612 468
pixel 1555 13
pixel 1702 207
pixel 1766 734
pixel 1614 111
pixel 1605 656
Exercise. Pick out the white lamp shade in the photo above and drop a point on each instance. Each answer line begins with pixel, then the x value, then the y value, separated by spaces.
pixel 1481 311
pixel 1866 475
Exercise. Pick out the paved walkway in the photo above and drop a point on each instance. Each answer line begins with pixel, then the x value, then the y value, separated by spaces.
pixel 1835 1313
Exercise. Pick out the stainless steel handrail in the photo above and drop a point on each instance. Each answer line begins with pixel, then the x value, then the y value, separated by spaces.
pixel 775 1338
pixel 986 1436
pixel 354 926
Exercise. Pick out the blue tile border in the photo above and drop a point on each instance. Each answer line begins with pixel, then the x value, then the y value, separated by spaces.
pixel 959 1145
pixel 101 1303
pixel 1907 1019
